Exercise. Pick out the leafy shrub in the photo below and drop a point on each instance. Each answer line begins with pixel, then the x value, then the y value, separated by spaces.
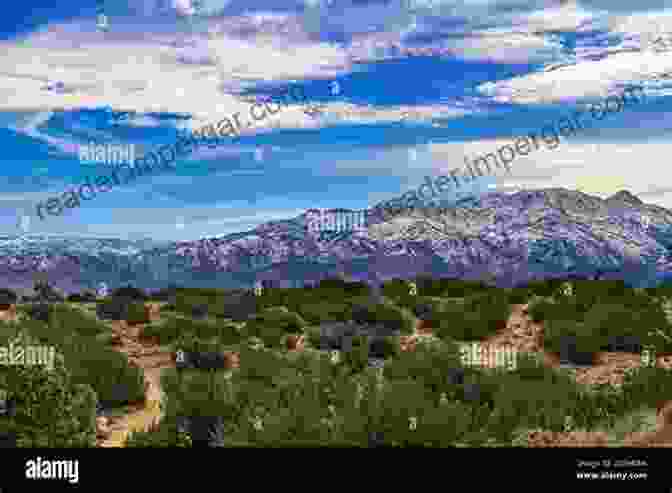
pixel 325 312
pixel 404 403
pixel 535 403
pixel 423 310
pixel 356 289
pixel 67 320
pixel 113 309
pixel 90 360
pixel 384 347
pixel 519 295
pixel 603 320
pixel 494 308
pixel 589 293
pixel 544 288
pixel 356 357
pixel 83 297
pixel 238 306
pixel 451 288
pixel 431 364
pixel 535 396
pixel 51 409
pixel 41 312
pixel 169 330
pixel 391 316
pixel 559 333
pixel 166 294
pixel 206 431
pixel 130 292
pixel 165 331
pixel 396 289
pixel 190 342
pixel 199 312
pixel 108 371
pixel 45 292
pixel 662 290
pixel 647 386
pixel 314 336
pixel 164 435
pixel 137 314
pixel 395 317
pixel 7 297
pixel 541 310
pixel 606 321
pixel 271 324
pixel 480 316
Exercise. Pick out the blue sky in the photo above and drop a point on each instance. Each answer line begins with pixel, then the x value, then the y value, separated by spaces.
pixel 421 85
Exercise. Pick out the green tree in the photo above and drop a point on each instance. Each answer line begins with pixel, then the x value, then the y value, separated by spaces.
pixel 51 409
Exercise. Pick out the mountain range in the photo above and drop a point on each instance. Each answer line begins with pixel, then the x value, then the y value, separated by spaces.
pixel 503 238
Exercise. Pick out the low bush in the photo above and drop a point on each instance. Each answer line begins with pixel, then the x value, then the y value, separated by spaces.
pixel 480 316
pixel 384 347
pixel 7 297
pixel 92 361
pixel 67 320
pixel 164 435
pixel 542 309
pixel 137 314
pixel 272 323
pixel 52 410
pixel 325 312
pixel 570 336
pixel 314 336
pixel 431 364
pixel 455 288
pixel 199 312
pixel 647 386
pixel 113 309
pixel 543 288
pixel 396 318
pixel 46 293
pixel 518 296
pixel 432 309
pixel 83 297
pixel 130 292
pixel 167 331
pixel 41 312
pixel 603 320
pixel 108 371
pixel 396 289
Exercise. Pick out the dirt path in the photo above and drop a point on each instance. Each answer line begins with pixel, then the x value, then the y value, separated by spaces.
pixel 524 335
pixel 148 356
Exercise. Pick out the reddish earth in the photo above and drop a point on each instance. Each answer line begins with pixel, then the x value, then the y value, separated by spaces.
pixel 423 327
pixel 8 313
pixel 146 354
pixel 295 343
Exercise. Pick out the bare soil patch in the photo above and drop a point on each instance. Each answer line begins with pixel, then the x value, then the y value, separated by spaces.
pixel 145 354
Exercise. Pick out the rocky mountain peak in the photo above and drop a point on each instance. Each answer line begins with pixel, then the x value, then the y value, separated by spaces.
pixel 626 197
